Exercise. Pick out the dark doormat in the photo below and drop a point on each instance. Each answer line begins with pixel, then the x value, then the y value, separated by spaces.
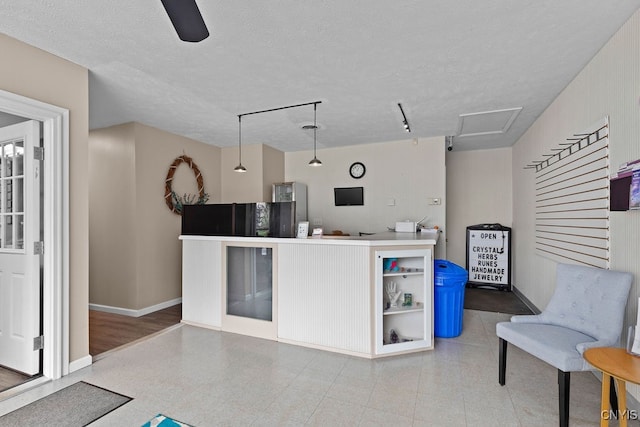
pixel 494 300
pixel 77 405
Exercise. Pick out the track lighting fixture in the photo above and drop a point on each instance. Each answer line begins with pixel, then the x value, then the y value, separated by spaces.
pixel 405 122
pixel 313 162
pixel 240 168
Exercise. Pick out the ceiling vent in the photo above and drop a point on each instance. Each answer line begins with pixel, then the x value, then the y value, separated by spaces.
pixel 487 122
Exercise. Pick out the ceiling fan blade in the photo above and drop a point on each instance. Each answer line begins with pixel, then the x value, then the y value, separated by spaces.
pixel 186 19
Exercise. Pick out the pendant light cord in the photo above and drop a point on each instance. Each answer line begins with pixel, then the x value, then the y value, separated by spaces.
pixel 240 138
pixel 315 129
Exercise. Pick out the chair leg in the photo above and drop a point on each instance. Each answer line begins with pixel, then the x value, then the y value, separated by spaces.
pixel 564 381
pixel 502 361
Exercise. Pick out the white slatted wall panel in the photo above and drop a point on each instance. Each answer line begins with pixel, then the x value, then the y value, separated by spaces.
pixel 572 200
pixel 307 295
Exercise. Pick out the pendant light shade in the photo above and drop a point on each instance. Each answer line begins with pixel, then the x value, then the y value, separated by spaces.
pixel 240 168
pixel 315 162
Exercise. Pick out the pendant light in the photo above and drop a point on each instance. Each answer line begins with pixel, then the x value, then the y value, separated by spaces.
pixel 240 168
pixel 315 162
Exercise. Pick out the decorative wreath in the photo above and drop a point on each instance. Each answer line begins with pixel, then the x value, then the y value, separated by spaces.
pixel 175 202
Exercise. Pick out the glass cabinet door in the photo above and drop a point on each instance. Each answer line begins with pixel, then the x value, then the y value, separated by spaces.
pixel 283 192
pixel 250 282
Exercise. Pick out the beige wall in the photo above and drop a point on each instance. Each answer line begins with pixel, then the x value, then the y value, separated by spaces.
pixel 273 163
pixel 112 205
pixel 131 227
pixel 35 74
pixel 408 171
pixel 478 191
pixel 264 164
pixel 608 85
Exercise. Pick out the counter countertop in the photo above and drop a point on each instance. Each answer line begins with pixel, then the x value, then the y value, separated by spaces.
pixel 390 238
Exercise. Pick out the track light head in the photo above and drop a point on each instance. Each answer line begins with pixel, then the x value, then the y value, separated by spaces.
pixel 449 141
pixel 405 122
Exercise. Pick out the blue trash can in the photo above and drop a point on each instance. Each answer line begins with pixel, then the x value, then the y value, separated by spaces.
pixel 449 280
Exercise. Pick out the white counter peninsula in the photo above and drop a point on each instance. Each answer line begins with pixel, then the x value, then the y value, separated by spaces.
pixel 365 296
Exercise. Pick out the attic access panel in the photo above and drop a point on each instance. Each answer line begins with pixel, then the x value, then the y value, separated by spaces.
pixel 487 122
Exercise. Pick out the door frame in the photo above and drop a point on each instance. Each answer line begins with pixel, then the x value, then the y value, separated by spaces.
pixel 55 209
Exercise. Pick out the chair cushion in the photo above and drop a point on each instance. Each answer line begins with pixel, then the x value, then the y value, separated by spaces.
pixel 580 295
pixel 554 344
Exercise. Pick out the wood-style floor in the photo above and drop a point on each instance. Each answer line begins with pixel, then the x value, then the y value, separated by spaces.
pixel 108 331
pixel 9 378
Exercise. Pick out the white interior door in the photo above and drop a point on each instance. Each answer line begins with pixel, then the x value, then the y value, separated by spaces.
pixel 19 260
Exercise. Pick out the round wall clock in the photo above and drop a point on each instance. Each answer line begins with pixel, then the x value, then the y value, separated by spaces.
pixel 357 170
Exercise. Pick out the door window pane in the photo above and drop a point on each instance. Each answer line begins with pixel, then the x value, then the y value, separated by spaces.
pixel 7 155
pixel 19 227
pixel 18 196
pixel 8 196
pixel 18 158
pixel 7 225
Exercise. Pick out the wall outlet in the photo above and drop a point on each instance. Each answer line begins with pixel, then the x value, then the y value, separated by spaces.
pixel 435 200
pixel 317 221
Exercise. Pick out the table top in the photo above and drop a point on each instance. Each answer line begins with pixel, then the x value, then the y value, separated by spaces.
pixel 615 362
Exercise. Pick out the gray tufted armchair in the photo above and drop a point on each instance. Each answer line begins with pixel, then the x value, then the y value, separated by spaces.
pixel 586 310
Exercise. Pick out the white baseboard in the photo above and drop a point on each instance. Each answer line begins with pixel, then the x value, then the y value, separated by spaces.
pixel 78 364
pixel 135 313
pixel 201 325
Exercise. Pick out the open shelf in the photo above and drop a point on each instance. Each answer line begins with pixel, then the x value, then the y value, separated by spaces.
pixel 401 310
pixel 403 340
pixel 409 280
pixel 406 272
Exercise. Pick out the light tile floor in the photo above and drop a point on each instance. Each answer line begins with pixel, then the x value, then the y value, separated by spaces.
pixel 208 378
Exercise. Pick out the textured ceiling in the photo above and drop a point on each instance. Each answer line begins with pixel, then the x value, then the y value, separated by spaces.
pixel 359 57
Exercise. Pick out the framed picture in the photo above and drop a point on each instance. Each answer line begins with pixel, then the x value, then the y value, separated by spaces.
pixel 303 230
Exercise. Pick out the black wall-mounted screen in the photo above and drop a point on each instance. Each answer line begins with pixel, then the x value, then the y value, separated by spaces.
pixel 349 196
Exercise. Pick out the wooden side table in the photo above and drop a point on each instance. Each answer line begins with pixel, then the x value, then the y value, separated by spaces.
pixel 614 363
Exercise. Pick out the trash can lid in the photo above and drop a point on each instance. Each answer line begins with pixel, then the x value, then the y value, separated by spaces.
pixel 448 270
